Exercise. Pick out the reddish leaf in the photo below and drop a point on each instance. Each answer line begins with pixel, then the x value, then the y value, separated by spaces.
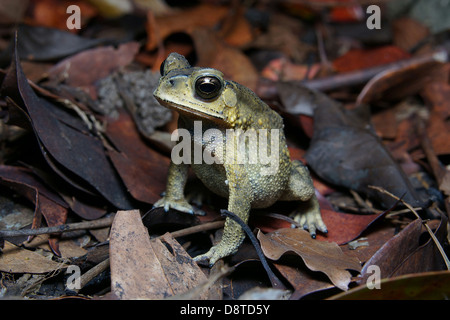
pixel 408 32
pixel 53 13
pixel 84 68
pixel 346 14
pixel 405 78
pixel 143 170
pixel 235 65
pixel 358 59
pixel 185 21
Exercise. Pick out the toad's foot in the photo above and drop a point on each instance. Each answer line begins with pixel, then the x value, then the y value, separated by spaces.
pixel 177 204
pixel 232 238
pixel 311 221
pixel 216 253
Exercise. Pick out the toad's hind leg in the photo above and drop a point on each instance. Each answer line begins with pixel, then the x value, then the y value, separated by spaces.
pixel 300 187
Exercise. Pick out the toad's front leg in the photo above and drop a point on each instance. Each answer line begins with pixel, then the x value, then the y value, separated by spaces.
pixel 239 202
pixel 174 196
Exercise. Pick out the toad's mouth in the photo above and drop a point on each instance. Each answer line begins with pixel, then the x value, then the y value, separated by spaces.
pixel 201 112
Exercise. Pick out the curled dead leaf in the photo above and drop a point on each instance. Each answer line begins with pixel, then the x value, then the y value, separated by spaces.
pixel 318 255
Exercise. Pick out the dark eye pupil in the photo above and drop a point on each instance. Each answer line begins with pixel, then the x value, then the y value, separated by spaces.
pixel 208 87
pixel 161 68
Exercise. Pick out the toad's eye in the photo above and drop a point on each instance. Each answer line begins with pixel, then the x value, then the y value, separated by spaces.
pixel 208 87
pixel 161 68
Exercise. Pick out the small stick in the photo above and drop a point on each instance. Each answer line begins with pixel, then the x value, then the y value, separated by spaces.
pixel 424 222
pixel 94 224
pixel 92 273
pixel 198 228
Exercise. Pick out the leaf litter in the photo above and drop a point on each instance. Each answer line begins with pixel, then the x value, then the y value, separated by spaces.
pixel 84 143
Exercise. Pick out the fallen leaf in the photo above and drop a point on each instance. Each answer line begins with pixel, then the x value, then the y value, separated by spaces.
pixel 436 95
pixel 47 203
pixel 188 20
pixel 318 255
pixel 303 281
pixel 342 227
pixel 408 32
pixel 213 53
pixel 406 78
pixel 67 150
pixel 346 14
pixel 144 269
pixel 143 170
pixel 358 59
pixel 421 286
pixel 18 260
pixel 84 68
pixel 345 151
pixel 53 13
pixel 47 44
pixel 406 252
pixel 68 248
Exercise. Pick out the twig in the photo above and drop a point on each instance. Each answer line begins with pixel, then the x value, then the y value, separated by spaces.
pixel 198 228
pixel 92 273
pixel 94 224
pixel 424 222
pixel 283 217
pixel 362 76
pixel 276 283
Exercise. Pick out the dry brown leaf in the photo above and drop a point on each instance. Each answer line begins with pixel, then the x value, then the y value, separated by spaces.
pixel 159 28
pixel 405 253
pixel 88 66
pixel 321 256
pixel 212 52
pixel 144 269
pixel 18 260
pixel 67 247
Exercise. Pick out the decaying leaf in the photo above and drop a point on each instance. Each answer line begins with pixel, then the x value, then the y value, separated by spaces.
pixel 318 255
pixel 345 151
pixel 406 253
pixel 232 62
pixel 422 286
pixel 161 27
pixel 142 169
pixel 18 260
pixel 67 150
pixel 84 68
pixel 47 203
pixel 45 44
pixel 144 269
pixel 360 59
pixel 396 82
